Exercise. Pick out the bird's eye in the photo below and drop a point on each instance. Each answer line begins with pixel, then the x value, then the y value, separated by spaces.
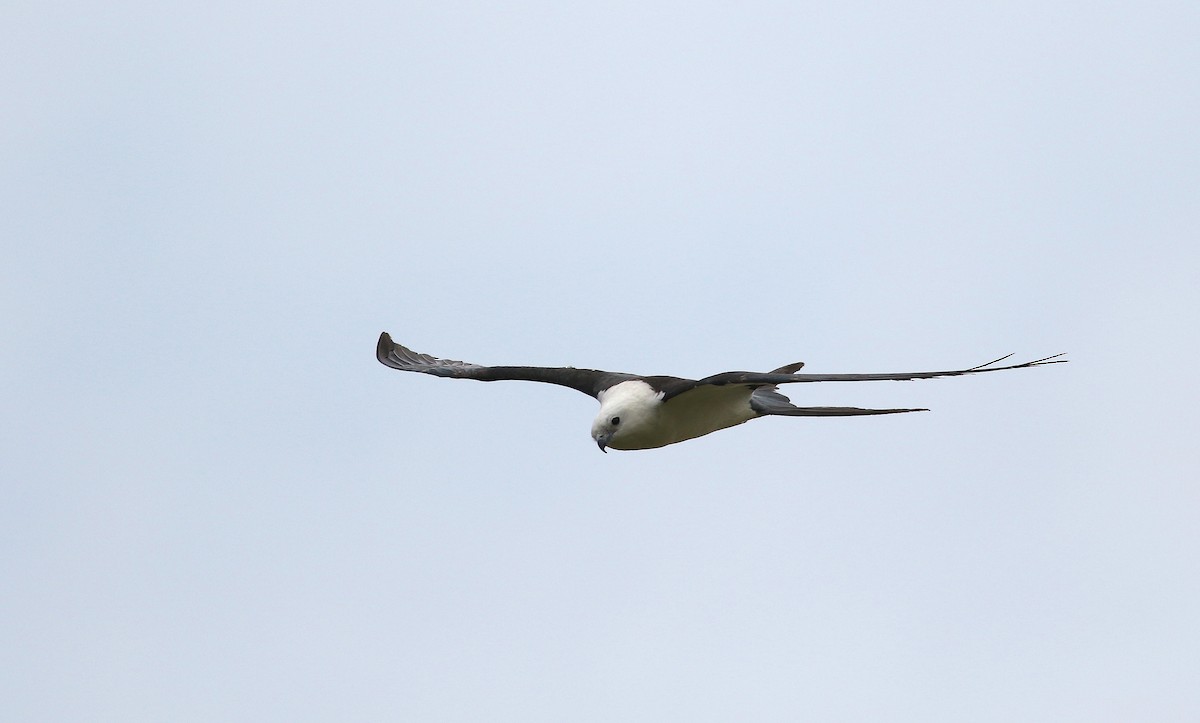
pixel 616 421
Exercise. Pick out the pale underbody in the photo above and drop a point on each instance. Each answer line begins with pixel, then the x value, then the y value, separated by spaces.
pixel 648 422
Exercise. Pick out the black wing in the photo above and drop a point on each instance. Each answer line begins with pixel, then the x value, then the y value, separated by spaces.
pixel 758 379
pixel 588 381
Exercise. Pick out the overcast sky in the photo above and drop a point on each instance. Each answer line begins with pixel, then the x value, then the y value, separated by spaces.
pixel 217 506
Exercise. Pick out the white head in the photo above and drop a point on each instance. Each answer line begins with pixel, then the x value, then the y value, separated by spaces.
pixel 628 412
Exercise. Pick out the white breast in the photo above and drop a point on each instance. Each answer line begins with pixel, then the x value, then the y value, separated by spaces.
pixel 706 409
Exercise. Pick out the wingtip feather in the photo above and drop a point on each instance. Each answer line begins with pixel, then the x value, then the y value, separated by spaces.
pixel 384 347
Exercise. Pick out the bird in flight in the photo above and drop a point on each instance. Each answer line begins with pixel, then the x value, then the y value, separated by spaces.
pixel 640 412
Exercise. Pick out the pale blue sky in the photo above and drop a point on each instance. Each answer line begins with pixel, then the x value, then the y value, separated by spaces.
pixel 217 505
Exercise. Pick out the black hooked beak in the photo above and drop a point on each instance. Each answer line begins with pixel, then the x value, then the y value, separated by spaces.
pixel 602 443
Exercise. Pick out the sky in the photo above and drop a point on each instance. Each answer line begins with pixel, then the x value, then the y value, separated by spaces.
pixel 216 505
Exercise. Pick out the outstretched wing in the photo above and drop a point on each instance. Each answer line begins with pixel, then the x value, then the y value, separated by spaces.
pixel 904 376
pixel 588 381
pixel 758 379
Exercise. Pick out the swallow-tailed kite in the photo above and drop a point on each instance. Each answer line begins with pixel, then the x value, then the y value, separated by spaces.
pixel 638 412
